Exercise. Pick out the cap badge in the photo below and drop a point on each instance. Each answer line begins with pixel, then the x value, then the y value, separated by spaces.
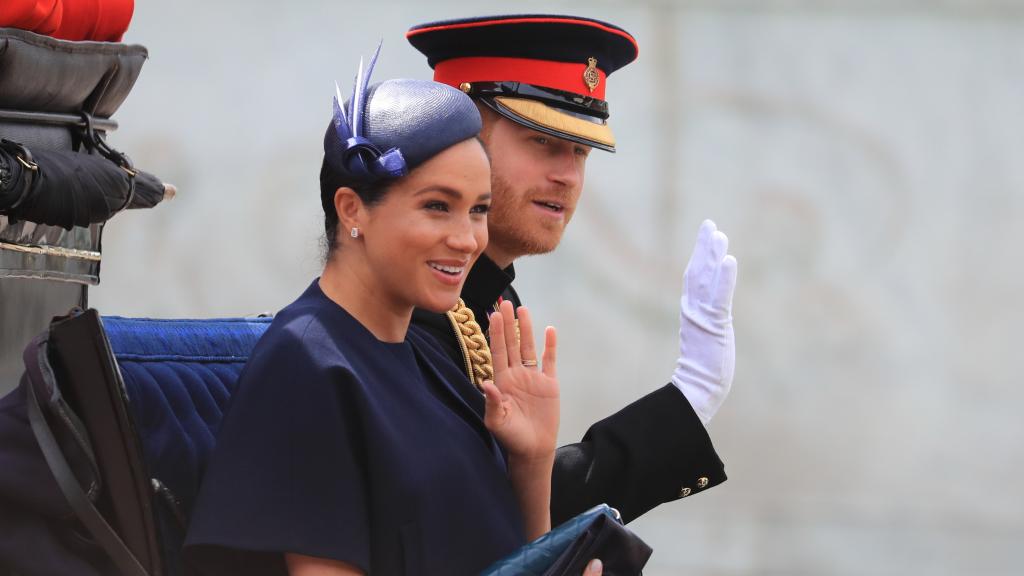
pixel 590 76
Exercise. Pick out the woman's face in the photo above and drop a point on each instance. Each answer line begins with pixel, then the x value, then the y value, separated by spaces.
pixel 422 238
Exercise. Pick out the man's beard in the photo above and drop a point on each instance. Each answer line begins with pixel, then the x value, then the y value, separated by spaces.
pixel 510 223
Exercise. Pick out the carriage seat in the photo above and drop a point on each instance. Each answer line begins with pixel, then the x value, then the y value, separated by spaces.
pixel 178 376
pixel 149 395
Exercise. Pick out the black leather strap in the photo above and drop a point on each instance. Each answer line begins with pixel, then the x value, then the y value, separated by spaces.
pixel 94 522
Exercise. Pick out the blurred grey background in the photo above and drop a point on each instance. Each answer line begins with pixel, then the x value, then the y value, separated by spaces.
pixel 862 157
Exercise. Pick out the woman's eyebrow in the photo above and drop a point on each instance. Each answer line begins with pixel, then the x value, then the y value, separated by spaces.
pixel 447 191
pixel 452 192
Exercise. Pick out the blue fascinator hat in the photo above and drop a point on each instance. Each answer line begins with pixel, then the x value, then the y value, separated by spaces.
pixel 384 131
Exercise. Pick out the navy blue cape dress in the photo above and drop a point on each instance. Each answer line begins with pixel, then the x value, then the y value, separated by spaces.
pixel 340 446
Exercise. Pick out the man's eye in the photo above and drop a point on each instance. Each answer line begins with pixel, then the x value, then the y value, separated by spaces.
pixel 541 139
pixel 438 206
pixel 481 209
pixel 582 151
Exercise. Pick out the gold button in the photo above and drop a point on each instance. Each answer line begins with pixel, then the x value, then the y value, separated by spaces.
pixel 684 492
pixel 465 87
pixel 702 482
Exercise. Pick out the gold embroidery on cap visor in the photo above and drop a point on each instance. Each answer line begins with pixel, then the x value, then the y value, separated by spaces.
pixel 548 117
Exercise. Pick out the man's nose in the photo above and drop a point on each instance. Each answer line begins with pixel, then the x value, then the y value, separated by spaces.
pixel 566 170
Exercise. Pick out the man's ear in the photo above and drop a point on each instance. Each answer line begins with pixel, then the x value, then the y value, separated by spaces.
pixel 349 207
pixel 488 118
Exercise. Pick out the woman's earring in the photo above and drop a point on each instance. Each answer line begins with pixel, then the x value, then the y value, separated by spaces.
pixel 355 232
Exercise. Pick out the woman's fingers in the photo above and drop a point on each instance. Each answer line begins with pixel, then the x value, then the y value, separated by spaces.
pixel 550 345
pixel 494 411
pixel 527 346
pixel 511 342
pixel 505 353
pixel 594 568
pixel 499 357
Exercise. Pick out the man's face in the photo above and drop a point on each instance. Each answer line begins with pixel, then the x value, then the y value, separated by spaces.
pixel 536 181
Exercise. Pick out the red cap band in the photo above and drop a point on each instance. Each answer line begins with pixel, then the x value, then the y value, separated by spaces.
pixel 565 76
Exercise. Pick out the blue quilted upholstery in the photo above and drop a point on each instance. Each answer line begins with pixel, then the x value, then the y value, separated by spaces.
pixel 179 375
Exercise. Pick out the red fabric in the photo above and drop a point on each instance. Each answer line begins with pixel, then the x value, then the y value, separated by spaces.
pixel 565 76
pixel 40 16
pixel 79 19
pixel 115 16
pixel 100 20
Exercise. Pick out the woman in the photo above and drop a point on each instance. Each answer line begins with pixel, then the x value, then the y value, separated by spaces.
pixel 348 447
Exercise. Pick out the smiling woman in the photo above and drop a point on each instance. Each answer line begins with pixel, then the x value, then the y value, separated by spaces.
pixel 414 240
pixel 350 445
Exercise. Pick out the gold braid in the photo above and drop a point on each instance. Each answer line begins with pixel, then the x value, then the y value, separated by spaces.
pixel 475 349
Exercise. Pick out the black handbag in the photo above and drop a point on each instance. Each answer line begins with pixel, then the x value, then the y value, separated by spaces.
pixel 566 550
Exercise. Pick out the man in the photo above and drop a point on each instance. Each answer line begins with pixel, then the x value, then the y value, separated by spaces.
pixel 539 82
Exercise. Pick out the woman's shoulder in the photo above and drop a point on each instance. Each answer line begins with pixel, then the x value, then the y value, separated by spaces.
pixel 312 321
pixel 296 330
pixel 303 340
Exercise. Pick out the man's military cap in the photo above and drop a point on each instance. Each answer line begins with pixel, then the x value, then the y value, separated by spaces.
pixel 545 72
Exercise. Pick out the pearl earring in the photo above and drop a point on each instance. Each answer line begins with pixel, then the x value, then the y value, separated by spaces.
pixel 355 232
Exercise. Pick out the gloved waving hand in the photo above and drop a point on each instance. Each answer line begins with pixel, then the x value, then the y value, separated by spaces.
pixel 707 348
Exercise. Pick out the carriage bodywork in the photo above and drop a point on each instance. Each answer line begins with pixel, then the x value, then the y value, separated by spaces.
pixel 61 377
pixel 48 90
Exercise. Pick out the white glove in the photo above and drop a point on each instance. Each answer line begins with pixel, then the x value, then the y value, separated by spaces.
pixel 707 347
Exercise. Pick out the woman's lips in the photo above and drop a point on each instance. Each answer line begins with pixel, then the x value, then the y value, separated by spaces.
pixel 447 272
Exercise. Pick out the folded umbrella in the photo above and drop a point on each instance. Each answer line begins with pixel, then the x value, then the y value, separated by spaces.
pixel 68 189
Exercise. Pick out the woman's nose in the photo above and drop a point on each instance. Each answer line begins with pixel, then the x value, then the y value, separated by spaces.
pixel 463 239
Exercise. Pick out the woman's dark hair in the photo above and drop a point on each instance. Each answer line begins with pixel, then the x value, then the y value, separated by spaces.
pixel 370 194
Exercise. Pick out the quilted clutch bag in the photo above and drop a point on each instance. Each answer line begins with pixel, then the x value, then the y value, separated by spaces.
pixel 566 550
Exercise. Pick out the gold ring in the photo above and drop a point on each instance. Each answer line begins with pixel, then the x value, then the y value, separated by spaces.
pixel 529 363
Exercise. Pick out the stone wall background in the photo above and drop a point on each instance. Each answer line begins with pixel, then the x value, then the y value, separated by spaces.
pixel 862 156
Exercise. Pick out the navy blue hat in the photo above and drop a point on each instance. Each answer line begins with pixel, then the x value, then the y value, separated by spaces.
pixel 545 72
pixel 386 130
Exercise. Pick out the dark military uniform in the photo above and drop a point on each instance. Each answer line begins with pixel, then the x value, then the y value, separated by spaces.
pixel 655 450
pixel 549 73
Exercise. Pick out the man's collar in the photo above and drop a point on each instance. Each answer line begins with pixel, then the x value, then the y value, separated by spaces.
pixel 485 283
